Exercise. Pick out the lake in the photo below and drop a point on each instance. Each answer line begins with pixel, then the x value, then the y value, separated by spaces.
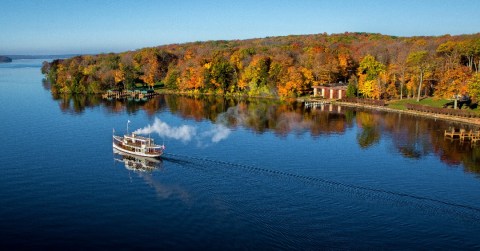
pixel 237 174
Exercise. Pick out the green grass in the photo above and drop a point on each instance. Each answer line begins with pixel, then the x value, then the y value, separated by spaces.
pixel 400 104
pixel 434 102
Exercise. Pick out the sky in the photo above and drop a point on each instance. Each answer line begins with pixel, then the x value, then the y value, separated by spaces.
pixel 99 26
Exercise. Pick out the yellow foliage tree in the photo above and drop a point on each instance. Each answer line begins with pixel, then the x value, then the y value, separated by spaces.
pixel 371 76
pixel 474 86
pixel 119 75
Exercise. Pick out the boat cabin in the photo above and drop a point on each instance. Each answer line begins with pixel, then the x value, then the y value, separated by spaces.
pixel 138 140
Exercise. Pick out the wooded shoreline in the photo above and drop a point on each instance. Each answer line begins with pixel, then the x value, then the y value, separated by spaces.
pixel 376 67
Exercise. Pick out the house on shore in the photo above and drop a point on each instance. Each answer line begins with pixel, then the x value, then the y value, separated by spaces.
pixel 330 91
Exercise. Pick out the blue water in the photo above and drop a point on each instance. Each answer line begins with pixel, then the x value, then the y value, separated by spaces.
pixel 279 177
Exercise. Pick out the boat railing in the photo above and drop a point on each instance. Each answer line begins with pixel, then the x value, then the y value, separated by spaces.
pixel 140 144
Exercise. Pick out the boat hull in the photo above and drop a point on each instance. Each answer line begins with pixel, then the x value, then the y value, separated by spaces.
pixel 152 155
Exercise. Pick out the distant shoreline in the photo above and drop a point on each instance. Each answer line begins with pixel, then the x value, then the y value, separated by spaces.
pixel 5 59
pixel 16 57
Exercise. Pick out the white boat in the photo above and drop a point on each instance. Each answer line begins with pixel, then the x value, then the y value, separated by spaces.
pixel 137 145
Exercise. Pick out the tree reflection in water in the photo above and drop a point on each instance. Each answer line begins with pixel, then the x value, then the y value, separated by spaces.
pixel 413 137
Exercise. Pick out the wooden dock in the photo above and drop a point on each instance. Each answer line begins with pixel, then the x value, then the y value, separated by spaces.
pixel 463 135
pixel 137 95
pixel 453 133
pixel 314 104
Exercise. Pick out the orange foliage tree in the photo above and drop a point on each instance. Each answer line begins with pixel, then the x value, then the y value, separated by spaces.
pixel 453 82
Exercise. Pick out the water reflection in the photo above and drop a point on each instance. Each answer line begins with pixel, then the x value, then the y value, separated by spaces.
pixel 411 137
pixel 137 163
pixel 76 104
pixel 369 133
pixel 144 167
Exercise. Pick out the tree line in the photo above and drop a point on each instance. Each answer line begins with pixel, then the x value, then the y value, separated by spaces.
pixel 375 66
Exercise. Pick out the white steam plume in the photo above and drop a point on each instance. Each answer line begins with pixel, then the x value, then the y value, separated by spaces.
pixel 217 133
pixel 186 133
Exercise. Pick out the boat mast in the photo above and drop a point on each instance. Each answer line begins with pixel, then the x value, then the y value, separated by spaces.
pixel 128 122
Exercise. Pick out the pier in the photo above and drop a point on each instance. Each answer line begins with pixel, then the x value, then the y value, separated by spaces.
pixel 463 135
pixel 137 94
pixel 314 104
pixel 322 105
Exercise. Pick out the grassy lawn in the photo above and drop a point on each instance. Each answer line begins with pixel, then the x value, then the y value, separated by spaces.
pixel 400 104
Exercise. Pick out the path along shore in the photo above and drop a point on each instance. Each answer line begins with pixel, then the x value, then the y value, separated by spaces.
pixel 469 121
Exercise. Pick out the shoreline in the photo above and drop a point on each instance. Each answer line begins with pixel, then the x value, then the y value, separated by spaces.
pixel 469 121
pixel 462 120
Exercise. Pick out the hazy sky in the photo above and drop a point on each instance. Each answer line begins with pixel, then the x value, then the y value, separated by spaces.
pixel 76 26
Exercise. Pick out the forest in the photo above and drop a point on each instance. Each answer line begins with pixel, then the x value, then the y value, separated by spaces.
pixel 374 66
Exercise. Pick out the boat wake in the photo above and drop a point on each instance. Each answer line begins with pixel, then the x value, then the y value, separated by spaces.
pixel 464 211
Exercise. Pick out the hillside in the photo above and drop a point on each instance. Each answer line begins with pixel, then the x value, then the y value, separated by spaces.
pixel 375 66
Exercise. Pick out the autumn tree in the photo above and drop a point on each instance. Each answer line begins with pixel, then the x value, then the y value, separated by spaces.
pixel 173 77
pixel 326 67
pixel 127 72
pixel 192 78
pixel 419 63
pixel 399 66
pixel 256 75
pixel 151 73
pixel 297 82
pixel 345 63
pixel 474 86
pixel 470 50
pixel 391 89
pixel 370 74
pixel 453 82
pixel 450 52
pixel 220 74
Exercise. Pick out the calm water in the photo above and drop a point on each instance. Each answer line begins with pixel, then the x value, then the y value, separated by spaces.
pixel 238 174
